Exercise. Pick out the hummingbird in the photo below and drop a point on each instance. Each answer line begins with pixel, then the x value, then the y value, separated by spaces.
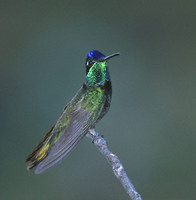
pixel 81 114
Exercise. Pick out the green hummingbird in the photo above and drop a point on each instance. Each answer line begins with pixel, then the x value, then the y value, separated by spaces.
pixel 80 115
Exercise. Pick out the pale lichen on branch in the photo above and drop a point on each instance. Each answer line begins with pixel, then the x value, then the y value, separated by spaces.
pixel 115 163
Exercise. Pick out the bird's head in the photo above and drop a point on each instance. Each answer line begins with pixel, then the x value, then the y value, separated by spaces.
pixel 96 56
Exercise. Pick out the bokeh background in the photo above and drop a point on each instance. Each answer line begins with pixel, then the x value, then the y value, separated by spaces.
pixel 152 121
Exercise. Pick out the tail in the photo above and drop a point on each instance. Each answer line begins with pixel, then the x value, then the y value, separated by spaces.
pixel 34 159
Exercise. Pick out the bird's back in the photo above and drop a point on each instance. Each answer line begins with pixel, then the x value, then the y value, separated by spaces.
pixel 78 117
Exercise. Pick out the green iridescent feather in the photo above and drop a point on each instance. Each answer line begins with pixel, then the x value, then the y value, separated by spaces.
pixel 98 73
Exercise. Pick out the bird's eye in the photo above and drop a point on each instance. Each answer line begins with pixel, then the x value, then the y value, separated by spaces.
pixel 89 63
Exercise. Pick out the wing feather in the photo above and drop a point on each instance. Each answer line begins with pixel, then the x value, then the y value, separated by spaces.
pixel 77 118
pixel 41 143
pixel 78 126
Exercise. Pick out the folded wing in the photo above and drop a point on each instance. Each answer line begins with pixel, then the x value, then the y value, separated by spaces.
pixel 80 122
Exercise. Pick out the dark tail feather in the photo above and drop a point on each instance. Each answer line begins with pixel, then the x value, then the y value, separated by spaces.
pixel 31 158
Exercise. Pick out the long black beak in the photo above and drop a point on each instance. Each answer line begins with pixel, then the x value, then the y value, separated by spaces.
pixel 108 57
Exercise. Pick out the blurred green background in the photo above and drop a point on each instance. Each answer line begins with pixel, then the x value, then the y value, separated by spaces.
pixel 152 121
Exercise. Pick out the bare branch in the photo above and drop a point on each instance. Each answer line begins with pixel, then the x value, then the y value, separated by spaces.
pixel 114 161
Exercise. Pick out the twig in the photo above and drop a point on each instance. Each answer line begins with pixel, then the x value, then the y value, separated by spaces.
pixel 114 161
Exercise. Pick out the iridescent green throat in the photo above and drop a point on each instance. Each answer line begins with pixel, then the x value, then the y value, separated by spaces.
pixel 98 73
